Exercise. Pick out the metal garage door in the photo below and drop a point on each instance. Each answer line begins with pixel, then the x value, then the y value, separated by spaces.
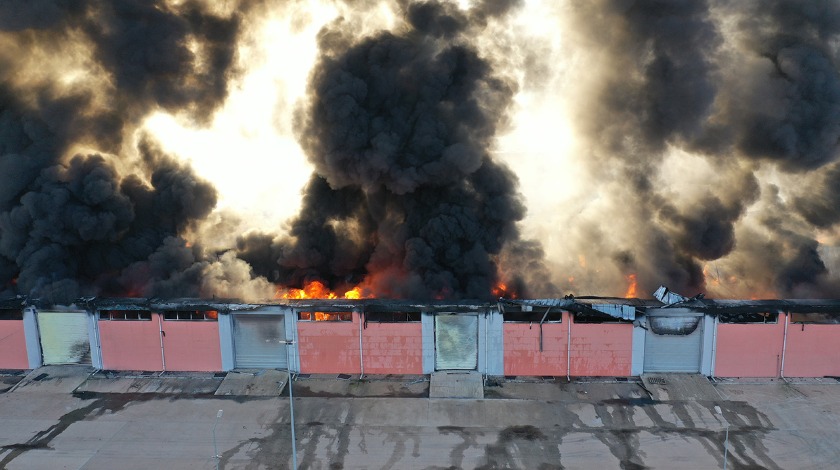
pixel 64 337
pixel 456 342
pixel 674 344
pixel 258 341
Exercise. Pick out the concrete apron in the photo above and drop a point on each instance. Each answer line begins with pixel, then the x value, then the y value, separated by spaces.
pixel 456 384
pixel 254 382
pixel 54 379
pixel 679 386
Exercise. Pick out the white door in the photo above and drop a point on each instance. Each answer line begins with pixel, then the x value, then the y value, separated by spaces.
pixel 259 341
pixel 674 344
pixel 64 337
pixel 456 342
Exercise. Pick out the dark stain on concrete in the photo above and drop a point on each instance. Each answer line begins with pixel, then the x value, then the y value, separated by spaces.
pixel 528 433
pixel 358 389
pixel 517 444
pixel 274 447
pixel 336 438
pixel 640 401
pixel 8 382
pixel 456 456
pixel 747 430
pixel 42 439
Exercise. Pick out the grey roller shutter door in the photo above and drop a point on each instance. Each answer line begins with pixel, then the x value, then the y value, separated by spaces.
pixel 673 352
pixel 64 337
pixel 258 341
pixel 456 342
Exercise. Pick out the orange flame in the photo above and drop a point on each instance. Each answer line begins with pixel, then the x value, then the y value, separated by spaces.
pixel 502 290
pixel 316 290
pixel 631 288
pixel 354 293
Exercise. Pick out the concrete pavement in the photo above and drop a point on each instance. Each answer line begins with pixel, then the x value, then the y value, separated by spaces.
pixel 381 422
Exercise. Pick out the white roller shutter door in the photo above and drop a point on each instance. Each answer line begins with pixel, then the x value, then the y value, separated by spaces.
pixel 456 342
pixel 674 344
pixel 258 341
pixel 64 337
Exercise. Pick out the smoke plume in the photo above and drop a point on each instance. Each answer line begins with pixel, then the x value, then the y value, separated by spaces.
pixel 740 95
pixel 698 148
pixel 112 221
pixel 406 195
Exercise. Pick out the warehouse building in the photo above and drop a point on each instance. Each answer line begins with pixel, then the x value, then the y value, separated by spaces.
pixel 568 337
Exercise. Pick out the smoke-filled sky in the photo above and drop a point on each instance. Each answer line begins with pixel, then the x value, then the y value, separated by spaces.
pixel 420 149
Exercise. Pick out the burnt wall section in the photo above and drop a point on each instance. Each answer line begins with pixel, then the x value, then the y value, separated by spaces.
pixel 344 338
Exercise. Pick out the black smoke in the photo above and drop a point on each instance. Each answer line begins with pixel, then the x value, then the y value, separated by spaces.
pixel 107 222
pixel 399 127
pixel 747 87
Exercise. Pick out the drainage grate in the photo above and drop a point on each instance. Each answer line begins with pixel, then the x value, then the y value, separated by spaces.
pixel 656 380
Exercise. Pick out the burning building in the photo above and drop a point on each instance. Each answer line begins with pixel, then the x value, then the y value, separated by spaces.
pixel 571 337
pixel 690 142
pixel 424 130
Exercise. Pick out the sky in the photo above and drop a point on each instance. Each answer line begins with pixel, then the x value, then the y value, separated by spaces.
pixel 420 149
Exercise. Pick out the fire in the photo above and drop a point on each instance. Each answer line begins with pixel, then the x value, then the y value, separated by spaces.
pixel 502 290
pixel 631 287
pixel 317 290
pixel 354 293
pixel 313 290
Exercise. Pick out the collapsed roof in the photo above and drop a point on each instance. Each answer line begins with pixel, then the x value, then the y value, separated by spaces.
pixel 609 307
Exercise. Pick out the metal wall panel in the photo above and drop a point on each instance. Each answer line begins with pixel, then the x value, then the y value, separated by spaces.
pixel 456 342
pixel 65 337
pixel 259 341
pixel 677 352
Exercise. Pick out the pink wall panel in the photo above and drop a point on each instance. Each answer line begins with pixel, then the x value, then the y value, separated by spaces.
pixel 522 348
pixel 328 347
pixel 12 345
pixel 812 350
pixel 192 345
pixel 601 349
pixel 393 348
pixel 130 345
pixel 749 350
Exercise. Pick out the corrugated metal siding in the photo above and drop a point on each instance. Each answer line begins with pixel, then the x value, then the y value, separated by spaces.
pixel 456 342
pixel 673 352
pixel 258 341
pixel 64 337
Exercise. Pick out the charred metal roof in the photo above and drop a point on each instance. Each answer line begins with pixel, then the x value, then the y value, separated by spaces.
pixel 616 307
pixel 716 307
pixel 602 306
pixel 219 305
pixel 127 303
pixel 638 303
pixel 758 306
pixel 14 303
pixel 326 305
pixel 385 305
